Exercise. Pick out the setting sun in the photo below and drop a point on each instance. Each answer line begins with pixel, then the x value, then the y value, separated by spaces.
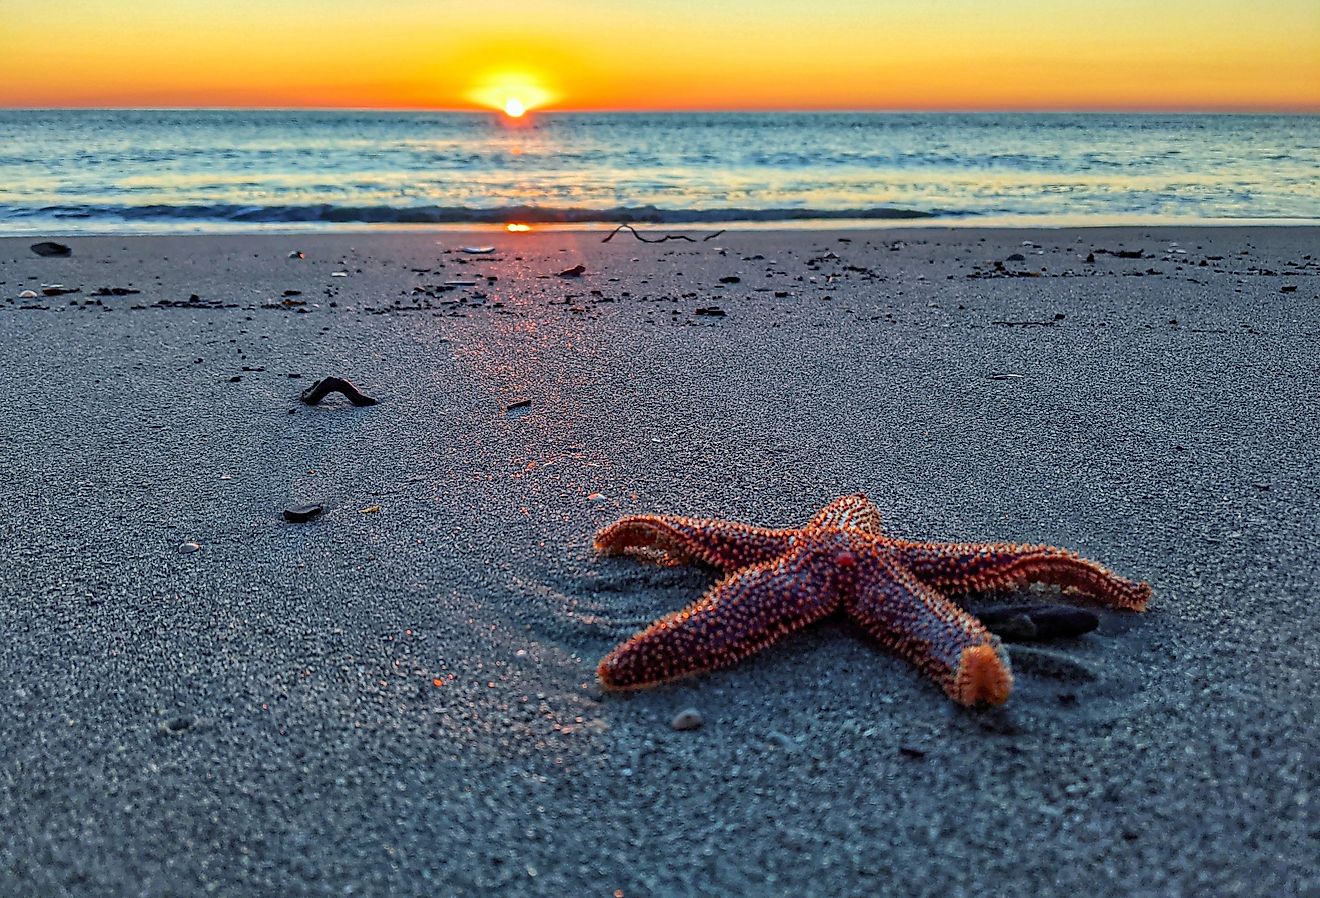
pixel 514 108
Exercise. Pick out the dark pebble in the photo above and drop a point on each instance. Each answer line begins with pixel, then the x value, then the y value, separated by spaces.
pixel 731 279
pixel 518 409
pixel 574 272
pixel 300 514
pixel 1016 257
pixel 711 312
pixel 47 248
pixel 1023 623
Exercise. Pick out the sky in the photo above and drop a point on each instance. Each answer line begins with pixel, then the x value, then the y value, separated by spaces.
pixel 664 54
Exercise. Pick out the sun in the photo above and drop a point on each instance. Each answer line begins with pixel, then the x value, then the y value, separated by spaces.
pixel 514 107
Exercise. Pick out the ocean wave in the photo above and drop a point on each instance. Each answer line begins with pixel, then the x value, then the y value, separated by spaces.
pixel 336 214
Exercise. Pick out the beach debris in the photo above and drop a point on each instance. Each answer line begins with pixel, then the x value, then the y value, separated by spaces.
pixel 327 385
pixel 687 719
pixel 114 291
pixel 48 248
pixel 28 294
pixel 1024 623
pixel 295 254
pixel 1288 288
pixel 1004 375
pixel 518 409
pixel 339 274
pixel 59 290
pixel 574 272
pixel 1123 253
pixel 189 548
pixel 731 279
pixel 630 229
pixel 1016 257
pixel 301 514
pixel 710 312
pixel 476 250
pixel 371 509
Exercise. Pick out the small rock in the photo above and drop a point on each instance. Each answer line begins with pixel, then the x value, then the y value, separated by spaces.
pixel 47 248
pixel 710 312
pixel 574 272
pixel 1016 257
pixel 299 514
pixel 1288 288
pixel 371 509
pixel 687 719
pixel 518 409
pixel 295 254
pixel 1018 623
pixel 28 294
pixel 339 274
pixel 189 548
pixel 731 279
pixel 477 250
pixel 908 751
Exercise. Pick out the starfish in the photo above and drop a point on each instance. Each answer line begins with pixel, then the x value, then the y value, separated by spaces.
pixel 777 581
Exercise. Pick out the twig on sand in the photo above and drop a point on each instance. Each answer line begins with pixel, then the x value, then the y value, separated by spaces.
pixel 327 385
pixel 635 233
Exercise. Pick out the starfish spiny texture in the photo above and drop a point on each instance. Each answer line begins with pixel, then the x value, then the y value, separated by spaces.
pixel 777 581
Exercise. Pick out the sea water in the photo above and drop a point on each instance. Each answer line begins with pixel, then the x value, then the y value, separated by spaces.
pixel 89 171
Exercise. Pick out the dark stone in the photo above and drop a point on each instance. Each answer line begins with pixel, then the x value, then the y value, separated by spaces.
pixel 711 312
pixel 300 514
pixel 1016 257
pixel 574 272
pixel 518 409
pixel 47 248
pixel 1024 623
pixel 731 279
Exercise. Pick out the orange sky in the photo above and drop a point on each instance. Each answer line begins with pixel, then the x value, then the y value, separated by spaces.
pixel 665 54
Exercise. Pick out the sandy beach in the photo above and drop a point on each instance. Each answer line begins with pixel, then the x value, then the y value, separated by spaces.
pixel 398 698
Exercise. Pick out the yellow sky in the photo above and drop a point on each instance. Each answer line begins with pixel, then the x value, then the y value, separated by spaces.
pixel 664 54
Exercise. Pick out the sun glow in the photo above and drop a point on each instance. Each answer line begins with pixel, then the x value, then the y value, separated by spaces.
pixel 515 93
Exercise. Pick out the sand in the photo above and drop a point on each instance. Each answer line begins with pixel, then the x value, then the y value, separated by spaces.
pixel 402 701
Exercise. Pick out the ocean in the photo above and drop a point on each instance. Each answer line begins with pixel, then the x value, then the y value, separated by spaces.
pixel 154 171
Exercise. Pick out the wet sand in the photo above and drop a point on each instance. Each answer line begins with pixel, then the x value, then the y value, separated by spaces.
pixel 401 701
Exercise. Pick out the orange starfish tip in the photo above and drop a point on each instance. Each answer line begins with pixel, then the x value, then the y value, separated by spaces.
pixel 982 676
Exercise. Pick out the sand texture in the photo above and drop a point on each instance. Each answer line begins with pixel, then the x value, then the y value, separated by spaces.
pixel 398 697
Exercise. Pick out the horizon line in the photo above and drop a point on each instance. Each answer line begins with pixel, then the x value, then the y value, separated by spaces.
pixel 558 110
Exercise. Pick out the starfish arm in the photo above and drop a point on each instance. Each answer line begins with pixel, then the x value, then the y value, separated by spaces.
pixel 921 626
pixel 670 540
pixel 975 567
pixel 742 614
pixel 855 512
